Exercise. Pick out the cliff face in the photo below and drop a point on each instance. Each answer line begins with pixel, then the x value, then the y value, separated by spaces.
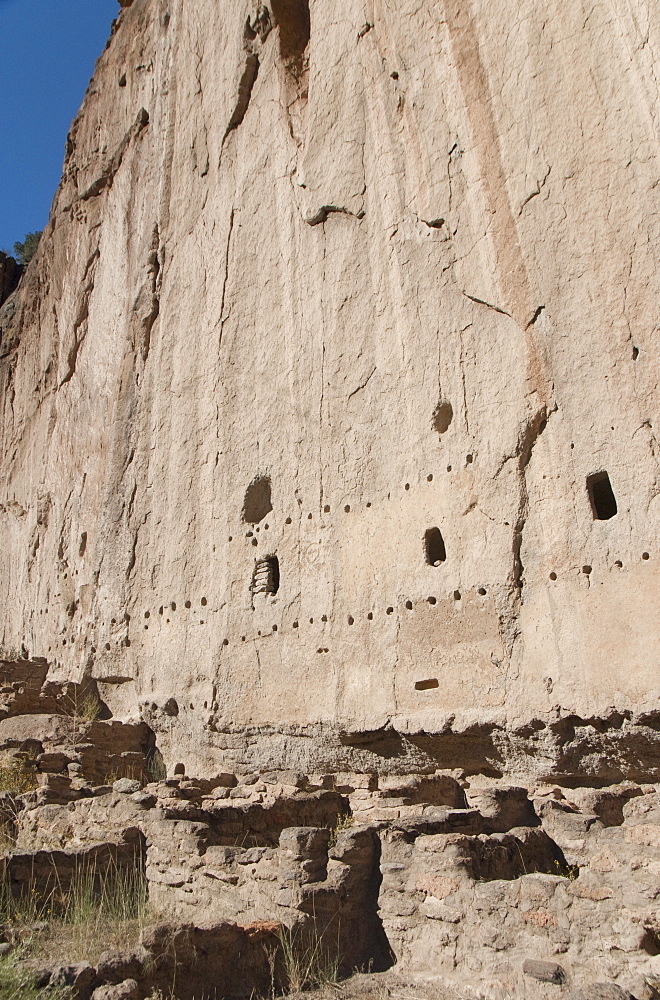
pixel 328 402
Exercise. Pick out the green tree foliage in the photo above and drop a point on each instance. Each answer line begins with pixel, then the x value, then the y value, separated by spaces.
pixel 26 250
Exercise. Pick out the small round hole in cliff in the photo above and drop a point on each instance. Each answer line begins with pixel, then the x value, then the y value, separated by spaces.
pixel 553 576
pixel 294 23
pixel 203 602
pixel 257 501
pixel 442 416
pixel 434 547
pixel 645 555
pixel 409 605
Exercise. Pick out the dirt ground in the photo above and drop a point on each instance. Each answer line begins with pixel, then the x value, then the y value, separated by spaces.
pixel 388 985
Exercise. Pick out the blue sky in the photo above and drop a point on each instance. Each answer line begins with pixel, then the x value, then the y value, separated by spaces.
pixel 47 54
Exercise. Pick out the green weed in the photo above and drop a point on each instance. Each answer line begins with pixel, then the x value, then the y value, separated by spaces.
pixel 17 982
pixel 344 822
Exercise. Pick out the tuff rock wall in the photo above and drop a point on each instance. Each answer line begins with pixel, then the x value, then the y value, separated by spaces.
pixel 393 263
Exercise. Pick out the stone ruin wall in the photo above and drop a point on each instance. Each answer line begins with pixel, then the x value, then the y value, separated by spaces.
pixel 395 265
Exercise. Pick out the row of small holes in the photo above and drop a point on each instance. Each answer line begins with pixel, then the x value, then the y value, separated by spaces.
pixel 370 615
pixel 587 570
pixel 347 509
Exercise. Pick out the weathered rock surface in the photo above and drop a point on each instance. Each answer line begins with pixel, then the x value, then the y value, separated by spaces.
pixel 328 401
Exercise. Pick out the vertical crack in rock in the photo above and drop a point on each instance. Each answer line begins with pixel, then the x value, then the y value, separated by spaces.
pixel 530 434
pixel 255 34
pixel 80 324
pixel 106 178
pixel 247 82
pixel 146 306
pixel 225 277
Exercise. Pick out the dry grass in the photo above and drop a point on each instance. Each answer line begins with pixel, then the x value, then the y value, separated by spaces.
pixel 80 709
pixel 99 912
pixel 310 959
pixel 16 777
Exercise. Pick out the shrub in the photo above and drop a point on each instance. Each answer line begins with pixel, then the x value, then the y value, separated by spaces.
pixel 26 250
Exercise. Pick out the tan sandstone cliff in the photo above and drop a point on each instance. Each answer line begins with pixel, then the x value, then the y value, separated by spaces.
pixel 329 401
